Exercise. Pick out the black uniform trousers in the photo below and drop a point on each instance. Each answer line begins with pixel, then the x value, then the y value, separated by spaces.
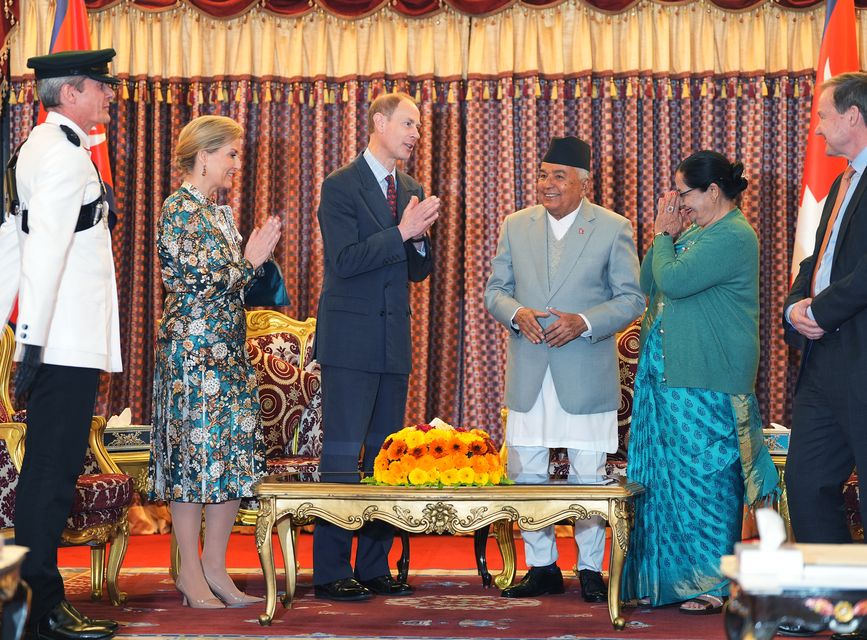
pixel 359 409
pixel 829 439
pixel 59 413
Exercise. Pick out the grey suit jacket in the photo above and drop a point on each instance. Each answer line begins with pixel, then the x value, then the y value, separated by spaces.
pixel 598 277
pixel 363 321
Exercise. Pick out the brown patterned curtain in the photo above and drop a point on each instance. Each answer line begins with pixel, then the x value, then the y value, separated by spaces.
pixel 481 143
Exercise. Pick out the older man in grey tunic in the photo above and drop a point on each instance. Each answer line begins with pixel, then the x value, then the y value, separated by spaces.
pixel 564 281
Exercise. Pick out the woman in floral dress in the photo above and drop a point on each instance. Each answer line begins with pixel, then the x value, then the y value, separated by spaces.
pixel 207 448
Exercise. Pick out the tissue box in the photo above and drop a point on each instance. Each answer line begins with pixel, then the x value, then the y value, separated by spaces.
pixel 128 437
pixel 777 439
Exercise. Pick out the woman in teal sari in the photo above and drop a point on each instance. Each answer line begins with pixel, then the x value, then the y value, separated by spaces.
pixel 696 442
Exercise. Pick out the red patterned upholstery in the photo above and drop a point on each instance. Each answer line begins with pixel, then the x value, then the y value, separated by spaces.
pixel 852 506
pixel 627 360
pixel 99 492
pixel 4 415
pixel 8 483
pixel 88 519
pixel 284 345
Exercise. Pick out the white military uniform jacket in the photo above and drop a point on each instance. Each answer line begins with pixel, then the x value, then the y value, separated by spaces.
pixel 10 268
pixel 67 299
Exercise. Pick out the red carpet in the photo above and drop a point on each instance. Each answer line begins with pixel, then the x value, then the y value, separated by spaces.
pixel 443 607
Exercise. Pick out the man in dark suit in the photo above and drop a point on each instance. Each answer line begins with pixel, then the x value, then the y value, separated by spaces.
pixel 827 311
pixel 373 220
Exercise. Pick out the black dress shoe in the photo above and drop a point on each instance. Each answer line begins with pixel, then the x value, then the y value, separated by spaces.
pixel 60 624
pixel 537 582
pixel 797 630
pixel 344 590
pixel 388 586
pixel 111 625
pixel 861 634
pixel 592 587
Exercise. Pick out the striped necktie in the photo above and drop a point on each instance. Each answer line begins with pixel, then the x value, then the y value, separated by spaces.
pixel 845 181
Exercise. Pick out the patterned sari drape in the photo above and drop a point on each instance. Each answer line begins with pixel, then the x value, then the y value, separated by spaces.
pixel 480 147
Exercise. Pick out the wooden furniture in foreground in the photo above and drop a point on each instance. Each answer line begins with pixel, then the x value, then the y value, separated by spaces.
pixel 830 591
pixel 286 503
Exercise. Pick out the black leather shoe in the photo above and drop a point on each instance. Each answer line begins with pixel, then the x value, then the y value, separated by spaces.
pixel 537 582
pixel 797 630
pixel 60 624
pixel 388 586
pixel 861 634
pixel 592 587
pixel 344 590
pixel 111 625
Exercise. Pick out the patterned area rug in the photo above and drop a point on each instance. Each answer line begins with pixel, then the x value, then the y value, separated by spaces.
pixel 445 605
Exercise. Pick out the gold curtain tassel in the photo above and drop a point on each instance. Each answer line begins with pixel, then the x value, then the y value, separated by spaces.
pixel 613 89
pixel 255 96
pixel 577 88
pixel 685 90
pixel 267 96
pixel 451 95
pixel 629 88
pixel 537 90
pixel 124 92
pixel 669 92
pixel 158 93
pixel 704 88
pixel 486 91
pixel 555 93
pixel 13 99
pixel 724 94
pixel 238 93
pixel 169 94
pixel 740 91
pixel 797 91
pixel 594 91
pixel 764 89
pixel 433 92
pixel 499 90
pixel 312 100
pixel 469 94
pixel 344 95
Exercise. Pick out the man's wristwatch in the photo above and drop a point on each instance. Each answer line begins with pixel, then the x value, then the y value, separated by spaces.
pixel 661 233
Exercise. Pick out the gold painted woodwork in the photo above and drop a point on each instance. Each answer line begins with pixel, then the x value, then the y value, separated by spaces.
pixel 285 504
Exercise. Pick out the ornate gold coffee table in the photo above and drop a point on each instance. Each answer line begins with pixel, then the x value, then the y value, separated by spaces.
pixel 286 503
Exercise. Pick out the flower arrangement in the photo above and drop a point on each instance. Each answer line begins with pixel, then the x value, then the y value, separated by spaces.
pixel 438 455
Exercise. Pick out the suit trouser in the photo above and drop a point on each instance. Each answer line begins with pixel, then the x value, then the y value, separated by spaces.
pixel 58 423
pixel 359 409
pixel 829 439
pixel 530 465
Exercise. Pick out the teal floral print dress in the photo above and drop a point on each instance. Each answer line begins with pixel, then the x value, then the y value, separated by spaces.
pixel 206 440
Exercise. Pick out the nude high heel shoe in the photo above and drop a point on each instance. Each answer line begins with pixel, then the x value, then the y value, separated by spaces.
pixel 197 603
pixel 232 600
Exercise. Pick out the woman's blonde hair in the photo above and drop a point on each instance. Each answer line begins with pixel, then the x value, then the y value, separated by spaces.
pixel 205 133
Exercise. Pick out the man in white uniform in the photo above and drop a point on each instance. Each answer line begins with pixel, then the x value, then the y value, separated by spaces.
pixel 564 281
pixel 68 329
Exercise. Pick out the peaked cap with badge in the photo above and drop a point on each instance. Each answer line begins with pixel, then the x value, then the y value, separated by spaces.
pixel 92 64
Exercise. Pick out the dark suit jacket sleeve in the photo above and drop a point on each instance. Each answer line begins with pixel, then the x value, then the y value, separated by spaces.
pixel 419 266
pixel 350 253
pixel 843 299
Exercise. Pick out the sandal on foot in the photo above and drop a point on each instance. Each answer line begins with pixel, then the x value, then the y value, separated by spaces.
pixel 709 606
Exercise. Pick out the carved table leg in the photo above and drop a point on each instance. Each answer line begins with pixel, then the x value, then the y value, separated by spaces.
pixel 619 519
pixel 116 553
pixel 264 527
pixel 506 542
pixel 286 536
pixel 480 546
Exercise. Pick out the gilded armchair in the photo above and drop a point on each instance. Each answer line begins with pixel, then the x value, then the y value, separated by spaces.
pixel 102 493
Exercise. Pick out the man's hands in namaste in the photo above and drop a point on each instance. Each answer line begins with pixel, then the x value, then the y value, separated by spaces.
pixel 566 328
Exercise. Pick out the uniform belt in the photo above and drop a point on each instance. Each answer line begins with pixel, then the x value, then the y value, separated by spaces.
pixel 89 216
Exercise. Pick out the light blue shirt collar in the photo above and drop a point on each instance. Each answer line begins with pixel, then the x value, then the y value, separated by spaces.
pixel 379 172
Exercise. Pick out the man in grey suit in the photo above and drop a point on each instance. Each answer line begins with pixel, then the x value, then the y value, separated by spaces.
pixel 374 220
pixel 564 281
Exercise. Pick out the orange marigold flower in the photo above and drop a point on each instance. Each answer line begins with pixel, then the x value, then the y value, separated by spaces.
pixel 479 464
pixel 381 462
pixel 459 461
pixel 458 447
pixel 478 447
pixel 418 451
pixel 426 462
pixel 443 464
pixel 397 450
pixel 439 447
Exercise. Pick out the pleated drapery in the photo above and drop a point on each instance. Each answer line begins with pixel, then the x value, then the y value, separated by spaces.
pixel 646 88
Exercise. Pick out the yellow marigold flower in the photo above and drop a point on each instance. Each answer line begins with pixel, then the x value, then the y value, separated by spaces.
pixel 479 464
pixel 466 475
pixel 387 477
pixel 414 439
pixel 377 474
pixel 495 475
pixel 433 474
pixel 418 476
pixel 482 479
pixel 449 477
pixel 465 437
pixel 426 462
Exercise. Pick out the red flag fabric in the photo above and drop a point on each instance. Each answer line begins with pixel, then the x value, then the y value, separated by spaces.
pixel 837 54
